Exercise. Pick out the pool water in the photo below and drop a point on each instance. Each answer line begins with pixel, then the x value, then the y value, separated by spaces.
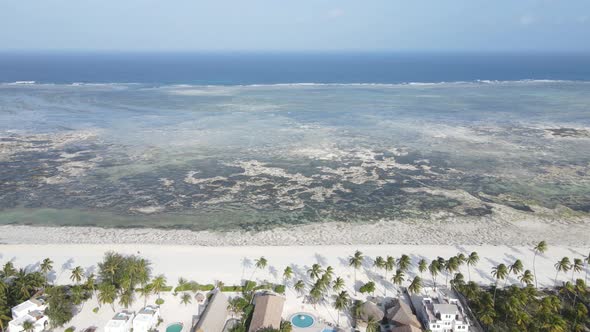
pixel 329 329
pixel 302 320
pixel 176 327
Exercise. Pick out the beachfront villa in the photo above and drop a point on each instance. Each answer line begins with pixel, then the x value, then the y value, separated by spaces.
pixel 31 310
pixel 146 319
pixel 215 314
pixel 121 322
pixel 441 312
pixel 268 311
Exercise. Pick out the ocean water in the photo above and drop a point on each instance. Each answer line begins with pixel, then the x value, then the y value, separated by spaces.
pixel 251 142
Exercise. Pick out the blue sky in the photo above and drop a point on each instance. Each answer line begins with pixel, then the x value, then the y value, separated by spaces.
pixel 296 25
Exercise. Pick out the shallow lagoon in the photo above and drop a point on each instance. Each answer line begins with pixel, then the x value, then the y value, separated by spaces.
pixel 253 157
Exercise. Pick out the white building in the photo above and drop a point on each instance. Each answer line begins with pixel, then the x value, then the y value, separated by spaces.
pixel 121 322
pixel 443 313
pixel 31 310
pixel 146 319
pixel 39 320
pixel 28 306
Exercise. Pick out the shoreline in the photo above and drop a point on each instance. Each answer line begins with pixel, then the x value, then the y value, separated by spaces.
pixel 428 232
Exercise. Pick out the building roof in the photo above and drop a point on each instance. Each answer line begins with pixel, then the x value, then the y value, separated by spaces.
pixel 370 309
pixel 446 308
pixel 402 315
pixel 120 319
pixel 26 306
pixel 268 310
pixel 215 314
pixel 146 313
pixel 406 328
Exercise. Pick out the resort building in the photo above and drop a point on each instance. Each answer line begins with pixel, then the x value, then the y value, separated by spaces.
pixel 215 314
pixel 31 310
pixel 440 312
pixel 401 318
pixel 146 319
pixel 28 306
pixel 121 322
pixel 268 310
pixel 40 322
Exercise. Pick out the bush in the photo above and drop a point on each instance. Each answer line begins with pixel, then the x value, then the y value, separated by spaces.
pixel 95 310
pixel 231 288
pixel 160 301
pixel 280 289
pixel 70 329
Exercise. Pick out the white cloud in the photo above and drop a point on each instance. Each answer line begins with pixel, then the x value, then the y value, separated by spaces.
pixel 336 12
pixel 527 19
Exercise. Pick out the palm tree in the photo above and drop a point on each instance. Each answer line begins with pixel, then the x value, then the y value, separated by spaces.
pixel 90 284
pixel 379 262
pixel 341 303
pixel 434 269
pixel 77 274
pixel 540 248
pixel 143 271
pixel 368 288
pixel 338 284
pixel 126 298
pixel 46 267
pixel 577 266
pixel 329 273
pixel 158 284
pixel 398 278
pixel 299 286
pixel 145 292
pixel 356 261
pixel 107 293
pixel 315 295
pixel 499 272
pixel 527 277
pixel 515 268
pixel 451 266
pixel 28 326
pixel 8 270
pixel 185 298
pixel 461 259
pixel 388 265
pixel 472 260
pixel 287 274
pixel 562 265
pixel 372 324
pixel 415 285
pixel 404 262
pixel 260 263
pixel 422 266
pixel 315 271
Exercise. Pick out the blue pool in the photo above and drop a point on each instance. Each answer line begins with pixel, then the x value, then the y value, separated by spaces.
pixel 302 320
pixel 329 329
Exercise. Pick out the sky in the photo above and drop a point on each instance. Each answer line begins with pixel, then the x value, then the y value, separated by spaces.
pixel 296 25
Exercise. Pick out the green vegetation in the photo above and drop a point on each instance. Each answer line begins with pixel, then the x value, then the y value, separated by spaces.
pixel 527 309
pixel 60 306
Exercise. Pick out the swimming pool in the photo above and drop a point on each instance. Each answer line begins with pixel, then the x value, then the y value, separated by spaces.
pixel 302 320
pixel 329 329
pixel 174 327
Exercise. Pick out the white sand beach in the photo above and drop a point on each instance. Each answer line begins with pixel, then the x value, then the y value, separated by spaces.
pixel 517 230
pixel 232 264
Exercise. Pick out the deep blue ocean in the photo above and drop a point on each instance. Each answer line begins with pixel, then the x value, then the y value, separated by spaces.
pixel 242 69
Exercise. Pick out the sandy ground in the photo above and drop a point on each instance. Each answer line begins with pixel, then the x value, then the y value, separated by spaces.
pixel 233 264
pixel 522 230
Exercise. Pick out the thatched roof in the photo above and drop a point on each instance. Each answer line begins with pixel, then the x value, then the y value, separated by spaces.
pixel 406 328
pixel 370 309
pixel 215 314
pixel 268 310
pixel 401 314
